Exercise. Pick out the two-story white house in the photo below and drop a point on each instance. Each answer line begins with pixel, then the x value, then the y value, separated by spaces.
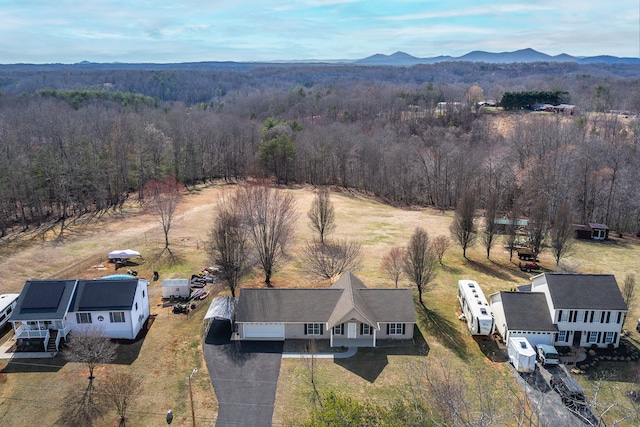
pixel 588 309
pixel 582 310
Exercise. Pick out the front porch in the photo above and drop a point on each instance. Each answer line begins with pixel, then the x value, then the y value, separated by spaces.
pixel 353 342
pixel 33 333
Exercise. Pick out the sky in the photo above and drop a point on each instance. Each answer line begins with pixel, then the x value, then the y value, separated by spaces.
pixel 162 31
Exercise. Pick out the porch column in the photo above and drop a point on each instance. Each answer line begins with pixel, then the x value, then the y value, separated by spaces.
pixel 374 336
pixel 331 338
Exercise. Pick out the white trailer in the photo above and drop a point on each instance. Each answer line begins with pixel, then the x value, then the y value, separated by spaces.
pixel 475 308
pixel 176 289
pixel 521 354
pixel 7 304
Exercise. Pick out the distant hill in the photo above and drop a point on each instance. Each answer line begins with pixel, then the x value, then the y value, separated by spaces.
pixel 402 59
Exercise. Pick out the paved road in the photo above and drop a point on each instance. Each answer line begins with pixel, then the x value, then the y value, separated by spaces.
pixel 244 376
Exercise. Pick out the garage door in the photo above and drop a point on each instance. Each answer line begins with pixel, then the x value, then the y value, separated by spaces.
pixel 264 330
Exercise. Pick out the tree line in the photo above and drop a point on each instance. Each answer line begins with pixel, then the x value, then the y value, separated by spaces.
pixel 67 154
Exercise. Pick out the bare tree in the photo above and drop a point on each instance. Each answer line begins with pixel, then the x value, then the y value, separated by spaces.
pixel 392 264
pixel 162 199
pixel 89 345
pixel 462 228
pixel 562 233
pixel 331 259
pixel 490 229
pixel 538 226
pixel 228 244
pixel 322 214
pixel 629 290
pixel 271 216
pixel 120 389
pixel 511 237
pixel 419 262
pixel 440 245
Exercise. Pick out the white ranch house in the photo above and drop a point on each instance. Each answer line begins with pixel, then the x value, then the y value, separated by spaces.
pixel 48 310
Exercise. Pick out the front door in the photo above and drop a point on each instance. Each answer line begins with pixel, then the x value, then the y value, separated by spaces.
pixel 351 330
pixel 577 335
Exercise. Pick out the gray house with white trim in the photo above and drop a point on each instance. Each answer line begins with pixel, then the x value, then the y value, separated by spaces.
pixel 347 313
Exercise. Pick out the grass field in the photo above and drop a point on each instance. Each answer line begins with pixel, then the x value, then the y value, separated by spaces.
pixel 173 345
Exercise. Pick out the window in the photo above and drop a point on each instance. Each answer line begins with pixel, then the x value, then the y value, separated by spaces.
pixel 365 329
pixel 116 317
pixel 562 336
pixel 593 337
pixel 580 316
pixel 608 338
pixel 83 317
pixel 9 310
pixel 338 329
pixel 563 316
pixel 396 328
pixel 313 329
pixel 2 317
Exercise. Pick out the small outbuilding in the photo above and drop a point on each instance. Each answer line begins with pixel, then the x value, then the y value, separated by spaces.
pixel 592 230
pixel 175 289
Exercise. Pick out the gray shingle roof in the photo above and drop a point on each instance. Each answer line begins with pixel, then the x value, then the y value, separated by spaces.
pixel 348 296
pixel 585 291
pixel 104 294
pixel 43 300
pixel 526 311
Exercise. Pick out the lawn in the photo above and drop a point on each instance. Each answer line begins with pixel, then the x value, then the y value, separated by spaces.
pixel 173 345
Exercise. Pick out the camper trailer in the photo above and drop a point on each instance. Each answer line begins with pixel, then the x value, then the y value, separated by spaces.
pixel 7 304
pixel 475 308
pixel 521 354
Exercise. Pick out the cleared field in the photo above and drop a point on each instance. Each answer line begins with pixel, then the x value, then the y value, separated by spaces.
pixel 173 345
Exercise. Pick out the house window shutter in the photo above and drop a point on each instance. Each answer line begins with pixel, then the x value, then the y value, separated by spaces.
pixel 559 315
pixel 599 337
pixel 615 337
pixel 608 316
pixel 321 329
pixel 403 328
pixel 388 328
pixel 591 318
pixel 305 329
pixel 361 328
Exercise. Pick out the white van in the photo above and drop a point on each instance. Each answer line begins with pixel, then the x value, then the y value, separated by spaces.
pixel 547 354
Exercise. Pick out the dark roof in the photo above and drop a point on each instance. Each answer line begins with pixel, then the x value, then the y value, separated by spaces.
pixel 526 311
pixel 595 225
pixel 43 300
pixel 585 291
pixel 347 297
pixel 104 294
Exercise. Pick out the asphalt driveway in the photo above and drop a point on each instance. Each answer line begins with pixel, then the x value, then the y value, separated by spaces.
pixel 244 376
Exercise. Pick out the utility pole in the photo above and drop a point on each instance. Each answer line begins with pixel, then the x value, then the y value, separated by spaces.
pixel 193 413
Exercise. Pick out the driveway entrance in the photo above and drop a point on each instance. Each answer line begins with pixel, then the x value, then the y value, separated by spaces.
pixel 244 375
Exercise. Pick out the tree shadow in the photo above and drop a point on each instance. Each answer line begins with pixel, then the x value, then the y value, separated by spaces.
pixel 369 362
pixel 495 270
pixel 490 348
pixel 80 411
pixel 443 329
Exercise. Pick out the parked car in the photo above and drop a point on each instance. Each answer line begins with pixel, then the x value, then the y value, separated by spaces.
pixel 570 391
pixel 547 354
pixel 530 266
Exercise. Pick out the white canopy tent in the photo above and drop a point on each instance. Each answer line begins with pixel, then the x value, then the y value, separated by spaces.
pixel 123 254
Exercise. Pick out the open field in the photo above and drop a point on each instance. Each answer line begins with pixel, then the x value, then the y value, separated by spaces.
pixel 173 345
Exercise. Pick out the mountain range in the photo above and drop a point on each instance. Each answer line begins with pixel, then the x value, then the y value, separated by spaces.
pixel 524 55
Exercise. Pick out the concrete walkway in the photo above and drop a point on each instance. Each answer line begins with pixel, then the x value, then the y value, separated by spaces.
pixel 351 351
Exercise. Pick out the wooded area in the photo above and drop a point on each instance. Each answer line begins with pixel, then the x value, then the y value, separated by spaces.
pixel 80 139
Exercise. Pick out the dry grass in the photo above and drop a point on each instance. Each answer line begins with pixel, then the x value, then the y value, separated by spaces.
pixel 173 346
